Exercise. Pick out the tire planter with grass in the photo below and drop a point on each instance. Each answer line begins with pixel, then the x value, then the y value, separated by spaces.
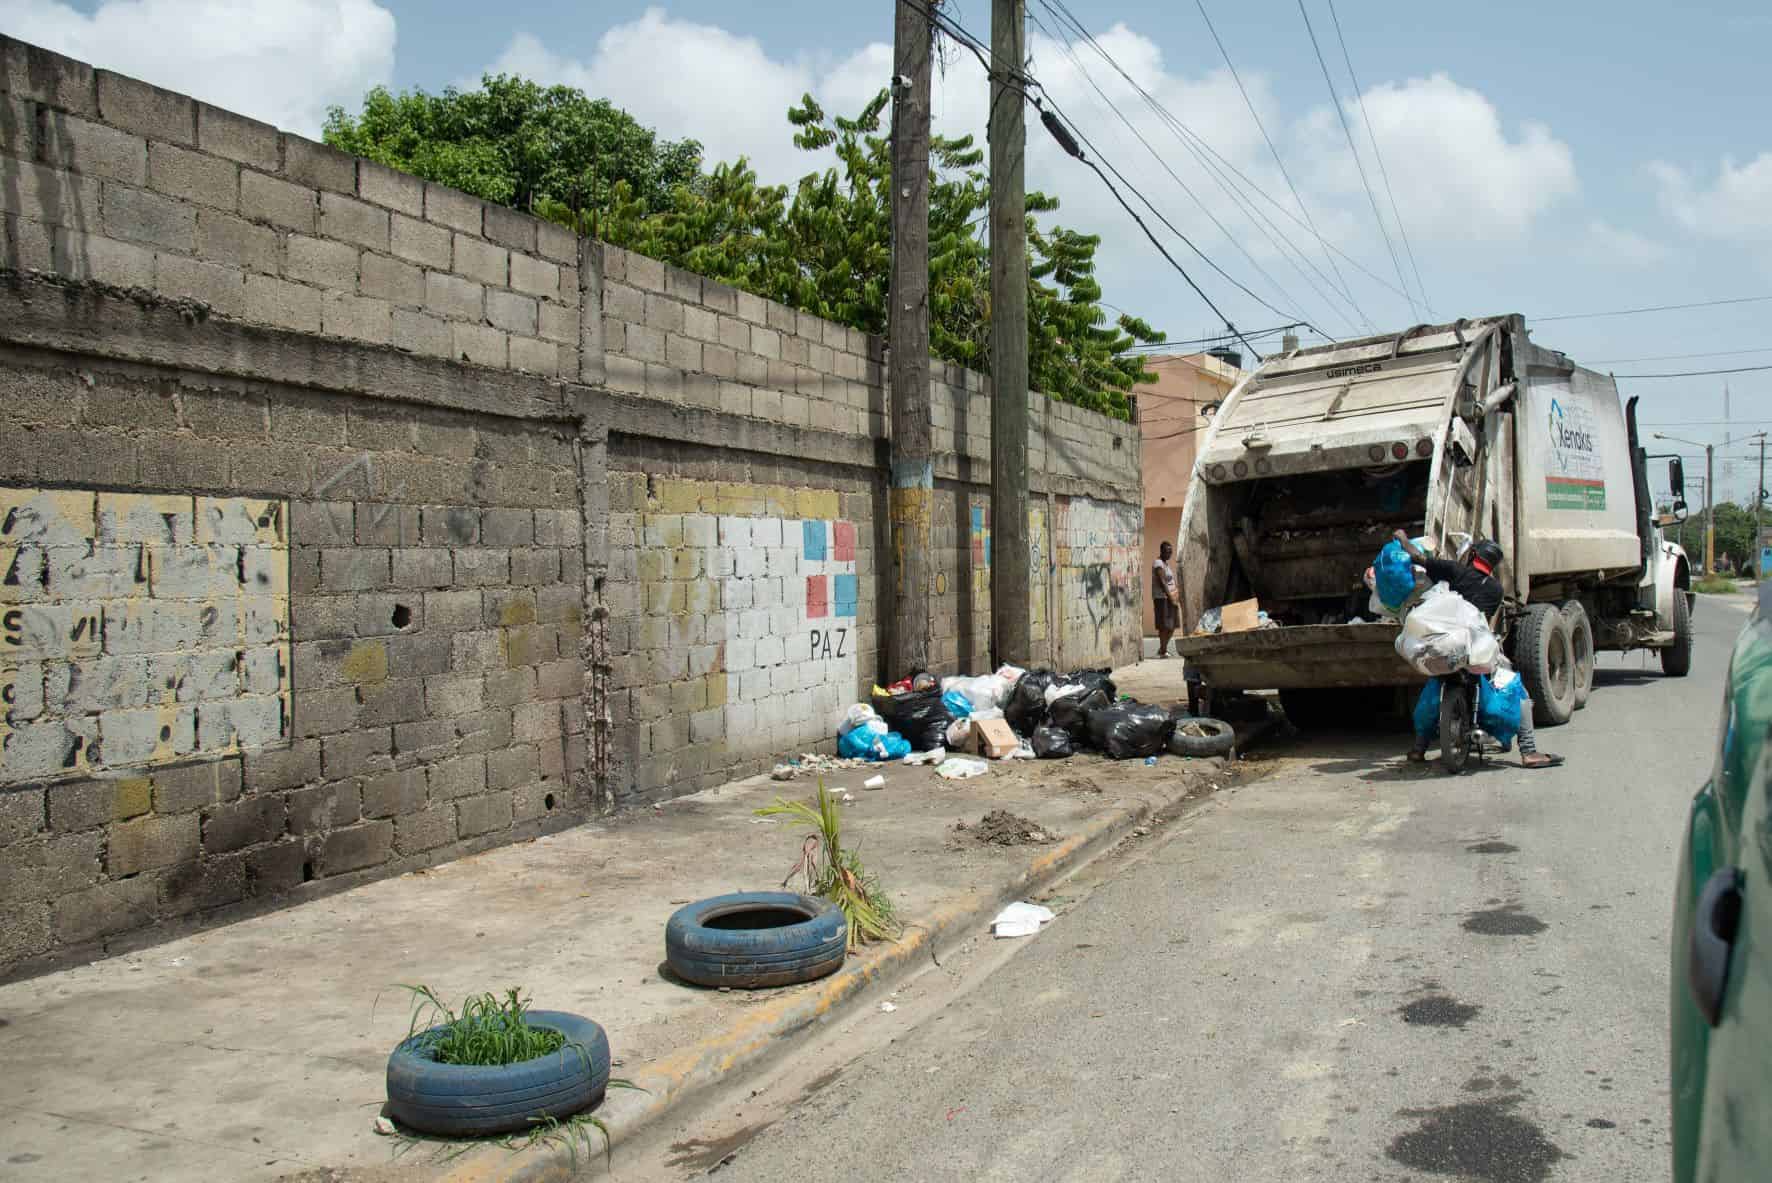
pixel 458 1100
pixel 1201 738
pixel 753 939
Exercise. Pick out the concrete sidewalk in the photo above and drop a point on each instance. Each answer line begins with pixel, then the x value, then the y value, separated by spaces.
pixel 258 1050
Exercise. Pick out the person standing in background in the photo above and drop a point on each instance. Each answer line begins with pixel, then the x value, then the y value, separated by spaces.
pixel 1165 598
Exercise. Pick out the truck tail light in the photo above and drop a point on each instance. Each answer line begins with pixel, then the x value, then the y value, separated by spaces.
pixel 1241 468
pixel 1400 450
pixel 1218 472
pixel 1376 451
pixel 1424 448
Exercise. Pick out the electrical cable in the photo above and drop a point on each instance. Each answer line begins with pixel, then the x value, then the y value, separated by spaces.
pixel 1346 292
pixel 1620 361
pixel 1358 163
pixel 1402 230
pixel 1697 373
pixel 1653 308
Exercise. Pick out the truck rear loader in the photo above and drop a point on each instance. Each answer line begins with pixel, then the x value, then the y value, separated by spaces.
pixel 1465 429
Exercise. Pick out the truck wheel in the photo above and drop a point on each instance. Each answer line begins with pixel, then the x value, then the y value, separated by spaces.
pixel 1546 664
pixel 1581 650
pixel 1676 659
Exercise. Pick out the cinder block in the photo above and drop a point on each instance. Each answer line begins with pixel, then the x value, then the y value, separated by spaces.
pixel 420 242
pixel 30 72
pixel 538 277
pixel 535 721
pixel 146 110
pixel 201 886
pixel 355 753
pixel 268 199
pixel 483 815
pixel 266 770
pixel 507 527
pixel 534 567
pixel 449 525
pixel 224 238
pixel 92 256
pixel 353 849
pixel 480 260
pixel 194 176
pixel 558 324
pixel 105 909
pixel 509 228
pixel 556 242
pixel 511 312
pixel 781 318
pixel 359 318
pixel 663 314
pixel 453 297
pixel 318 166
pixel 390 187
pixel 454 695
pixel 682 352
pixel 194 786
pixel 420 567
pixel 321 261
pixel 287 305
pixel 150 842
pixel 536 357
pixel 481 345
pixel 388 794
pixel 415 332
pixel 419 832
pixel 464 776
pixel 140 216
pixel 27 243
pixel 236 137
pixel 49 195
pixel 367 568
pixel 482 566
pixel 664 382
pixel 393 702
pixel 93 149
pixel 319 808
pixel 390 279
pixel 571 292
pixel 355 221
pixel 419 656
pixel 766 343
pixel 453 208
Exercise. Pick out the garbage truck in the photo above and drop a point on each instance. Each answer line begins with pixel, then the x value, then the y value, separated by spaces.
pixel 1458 431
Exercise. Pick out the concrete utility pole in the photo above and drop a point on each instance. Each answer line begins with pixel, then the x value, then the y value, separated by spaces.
pixel 907 335
pixel 1759 504
pixel 1011 602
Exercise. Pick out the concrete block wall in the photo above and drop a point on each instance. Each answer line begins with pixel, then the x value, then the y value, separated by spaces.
pixel 543 527
pixel 112 180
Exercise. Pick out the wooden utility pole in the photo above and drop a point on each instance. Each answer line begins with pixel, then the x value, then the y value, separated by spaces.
pixel 1011 601
pixel 907 334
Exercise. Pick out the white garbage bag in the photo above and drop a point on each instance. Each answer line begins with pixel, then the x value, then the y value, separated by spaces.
pixel 856 716
pixel 982 692
pixel 1445 632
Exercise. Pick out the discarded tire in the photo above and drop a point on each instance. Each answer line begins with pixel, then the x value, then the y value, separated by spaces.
pixel 1202 737
pixel 751 939
pixel 457 1100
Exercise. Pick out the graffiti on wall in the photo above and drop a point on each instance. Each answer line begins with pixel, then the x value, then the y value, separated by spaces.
pixel 1098 546
pixel 138 629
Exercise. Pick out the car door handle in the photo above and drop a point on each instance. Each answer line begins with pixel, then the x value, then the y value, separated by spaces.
pixel 1713 942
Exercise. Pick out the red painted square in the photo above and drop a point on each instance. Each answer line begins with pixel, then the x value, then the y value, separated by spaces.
pixel 818 597
pixel 845 542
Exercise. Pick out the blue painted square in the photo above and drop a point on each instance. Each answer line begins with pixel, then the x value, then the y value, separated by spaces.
pixel 843 595
pixel 814 535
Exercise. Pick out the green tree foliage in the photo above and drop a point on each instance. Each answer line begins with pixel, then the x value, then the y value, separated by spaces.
pixel 823 246
pixel 548 150
pixel 1735 534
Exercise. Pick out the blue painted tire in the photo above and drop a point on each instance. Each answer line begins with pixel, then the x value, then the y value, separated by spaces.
pixel 700 950
pixel 456 1100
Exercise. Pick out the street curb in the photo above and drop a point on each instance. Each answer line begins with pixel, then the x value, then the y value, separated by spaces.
pixel 761 1032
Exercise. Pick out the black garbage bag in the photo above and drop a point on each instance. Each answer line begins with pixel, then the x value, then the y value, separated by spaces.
pixel 1131 730
pixel 1094 679
pixel 918 716
pixel 1026 708
pixel 1053 743
pixel 1072 713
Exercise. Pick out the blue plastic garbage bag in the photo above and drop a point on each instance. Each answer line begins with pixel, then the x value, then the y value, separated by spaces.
pixel 958 705
pixel 1498 711
pixel 864 743
pixel 1395 575
pixel 1427 712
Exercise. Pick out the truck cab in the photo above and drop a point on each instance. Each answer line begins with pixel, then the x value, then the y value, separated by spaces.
pixel 1451 431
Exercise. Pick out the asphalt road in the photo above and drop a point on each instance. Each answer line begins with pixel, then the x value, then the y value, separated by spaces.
pixel 1345 970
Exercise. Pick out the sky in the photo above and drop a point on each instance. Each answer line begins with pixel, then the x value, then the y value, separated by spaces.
pixel 1549 159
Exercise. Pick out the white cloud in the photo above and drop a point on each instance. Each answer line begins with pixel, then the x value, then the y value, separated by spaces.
pixel 1456 174
pixel 1606 243
pixel 283 62
pixel 1737 207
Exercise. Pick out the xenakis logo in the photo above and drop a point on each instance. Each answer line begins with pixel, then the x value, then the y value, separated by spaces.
pixel 1566 438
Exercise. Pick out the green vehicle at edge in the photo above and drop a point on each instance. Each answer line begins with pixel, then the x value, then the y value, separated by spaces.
pixel 1721 984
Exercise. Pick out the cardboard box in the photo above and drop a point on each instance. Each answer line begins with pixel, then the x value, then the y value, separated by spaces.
pixel 993 738
pixel 1241 616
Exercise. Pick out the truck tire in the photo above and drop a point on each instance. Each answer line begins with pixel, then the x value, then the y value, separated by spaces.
pixel 1581 650
pixel 1542 653
pixel 1676 659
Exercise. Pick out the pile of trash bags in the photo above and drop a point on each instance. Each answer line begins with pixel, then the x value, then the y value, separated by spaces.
pixel 1500 699
pixel 1055 715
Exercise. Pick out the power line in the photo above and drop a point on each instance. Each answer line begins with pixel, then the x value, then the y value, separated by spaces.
pixel 1347 293
pixel 1619 361
pixel 1655 308
pixel 1194 145
pixel 1358 163
pixel 1707 423
pixel 1396 213
pixel 1698 373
